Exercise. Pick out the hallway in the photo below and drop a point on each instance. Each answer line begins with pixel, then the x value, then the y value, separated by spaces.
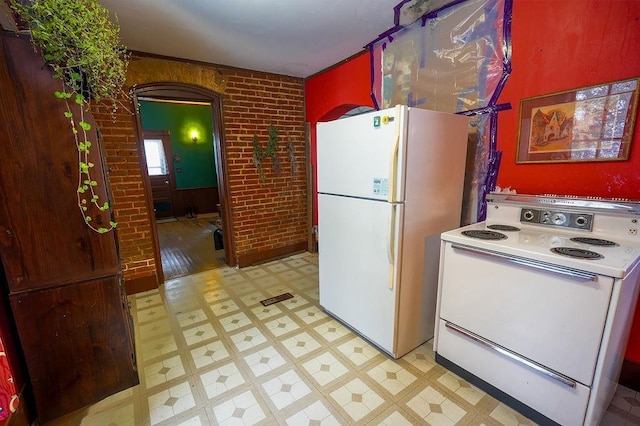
pixel 187 246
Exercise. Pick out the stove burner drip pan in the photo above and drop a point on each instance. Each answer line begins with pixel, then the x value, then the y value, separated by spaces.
pixel 577 253
pixel 484 235
pixel 506 228
pixel 594 241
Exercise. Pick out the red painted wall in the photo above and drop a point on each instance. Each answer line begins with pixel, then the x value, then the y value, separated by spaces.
pixel 562 45
pixel 344 86
pixel 557 45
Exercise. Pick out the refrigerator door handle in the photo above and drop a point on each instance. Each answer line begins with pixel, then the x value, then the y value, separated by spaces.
pixel 393 162
pixel 391 245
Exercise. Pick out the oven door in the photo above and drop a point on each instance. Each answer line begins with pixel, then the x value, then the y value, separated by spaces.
pixel 545 313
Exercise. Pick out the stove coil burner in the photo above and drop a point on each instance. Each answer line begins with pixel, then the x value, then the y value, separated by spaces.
pixel 594 241
pixel 577 253
pixel 506 228
pixel 484 235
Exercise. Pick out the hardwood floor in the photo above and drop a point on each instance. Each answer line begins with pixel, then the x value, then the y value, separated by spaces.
pixel 187 246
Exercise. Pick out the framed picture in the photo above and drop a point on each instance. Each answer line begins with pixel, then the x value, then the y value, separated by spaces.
pixel 593 123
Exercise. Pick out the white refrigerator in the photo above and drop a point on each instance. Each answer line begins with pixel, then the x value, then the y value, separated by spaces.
pixel 389 182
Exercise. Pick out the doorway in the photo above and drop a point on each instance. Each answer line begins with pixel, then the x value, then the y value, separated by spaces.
pixel 180 200
pixel 185 236
pixel 157 149
pixel 187 245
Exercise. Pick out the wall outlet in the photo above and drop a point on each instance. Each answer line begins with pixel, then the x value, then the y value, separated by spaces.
pixel 633 231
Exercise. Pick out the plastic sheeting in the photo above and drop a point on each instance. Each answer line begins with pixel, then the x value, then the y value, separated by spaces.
pixel 454 60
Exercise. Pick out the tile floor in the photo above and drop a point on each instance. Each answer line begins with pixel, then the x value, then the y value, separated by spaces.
pixel 209 353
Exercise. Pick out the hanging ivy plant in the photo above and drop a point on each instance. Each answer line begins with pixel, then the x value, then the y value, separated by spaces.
pixel 82 45
pixel 270 151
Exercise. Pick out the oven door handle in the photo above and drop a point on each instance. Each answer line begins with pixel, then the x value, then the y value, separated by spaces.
pixel 522 360
pixel 547 267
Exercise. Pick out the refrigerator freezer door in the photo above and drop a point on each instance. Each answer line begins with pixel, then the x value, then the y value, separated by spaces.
pixel 358 284
pixel 357 155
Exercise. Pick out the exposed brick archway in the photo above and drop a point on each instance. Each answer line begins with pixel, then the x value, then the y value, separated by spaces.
pixel 188 92
pixel 147 71
pixel 269 216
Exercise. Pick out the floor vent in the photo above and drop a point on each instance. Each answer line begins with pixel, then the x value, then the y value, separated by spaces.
pixel 276 299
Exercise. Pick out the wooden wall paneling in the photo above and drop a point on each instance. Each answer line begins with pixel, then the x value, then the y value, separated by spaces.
pixel 204 200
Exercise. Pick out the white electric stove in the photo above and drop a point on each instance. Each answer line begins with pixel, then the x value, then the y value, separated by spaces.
pixel 536 302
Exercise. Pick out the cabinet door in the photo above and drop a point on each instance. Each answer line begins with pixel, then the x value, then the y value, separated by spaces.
pixel 44 241
pixel 76 344
pixel 62 278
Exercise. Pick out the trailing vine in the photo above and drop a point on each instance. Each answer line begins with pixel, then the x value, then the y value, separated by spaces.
pixel 81 44
pixel 86 192
pixel 270 151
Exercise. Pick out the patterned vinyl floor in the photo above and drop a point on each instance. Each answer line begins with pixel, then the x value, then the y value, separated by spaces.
pixel 209 353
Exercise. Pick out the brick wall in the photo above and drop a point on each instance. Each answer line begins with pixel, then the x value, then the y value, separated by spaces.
pixel 129 205
pixel 272 213
pixel 269 216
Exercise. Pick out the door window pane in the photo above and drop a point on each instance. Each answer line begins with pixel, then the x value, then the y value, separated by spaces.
pixel 156 160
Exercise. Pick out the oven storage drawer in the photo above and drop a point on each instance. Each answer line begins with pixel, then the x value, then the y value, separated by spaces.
pixel 554 319
pixel 552 398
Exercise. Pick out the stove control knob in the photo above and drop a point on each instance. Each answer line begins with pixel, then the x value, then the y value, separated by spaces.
pixel 558 219
pixel 581 221
pixel 528 215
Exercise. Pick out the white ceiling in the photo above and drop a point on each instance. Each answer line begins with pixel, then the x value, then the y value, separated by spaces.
pixel 291 37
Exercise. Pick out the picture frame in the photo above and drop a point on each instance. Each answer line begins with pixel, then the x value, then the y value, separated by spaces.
pixel 593 123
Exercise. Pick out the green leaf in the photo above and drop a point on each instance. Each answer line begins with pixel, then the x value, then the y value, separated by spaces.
pixel 62 95
pixel 90 164
pixel 113 224
pixel 105 205
pixel 81 44
pixel 84 209
pixel 94 198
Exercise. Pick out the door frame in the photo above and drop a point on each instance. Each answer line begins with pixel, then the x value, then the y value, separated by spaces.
pixel 165 136
pixel 187 92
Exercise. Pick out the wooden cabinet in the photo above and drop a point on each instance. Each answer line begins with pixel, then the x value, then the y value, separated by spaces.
pixel 63 279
